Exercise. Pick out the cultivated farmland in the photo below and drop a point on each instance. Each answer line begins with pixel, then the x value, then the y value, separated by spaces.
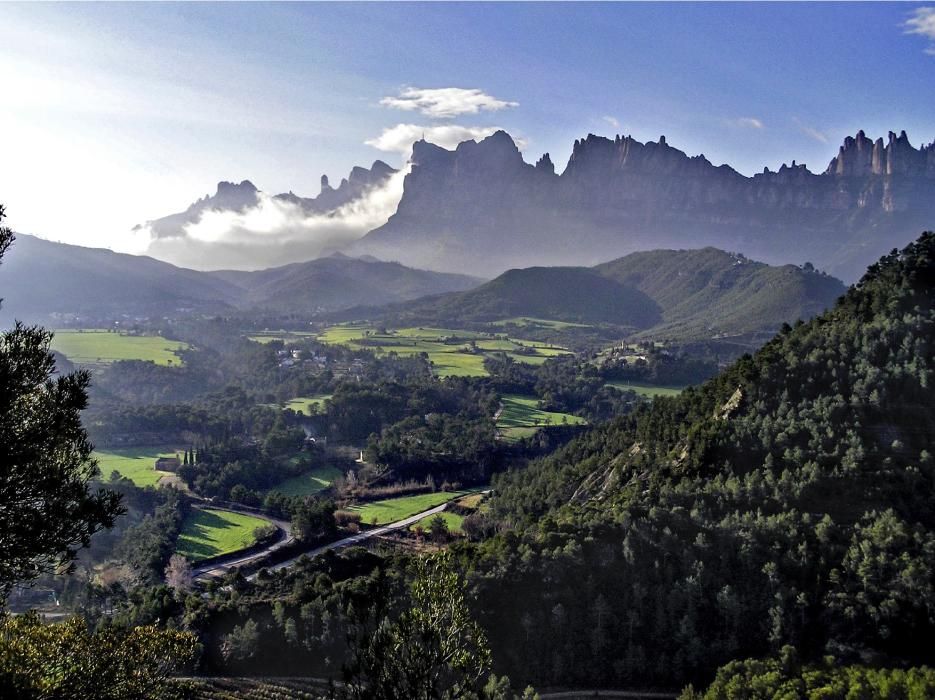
pixel 311 482
pixel 101 347
pixel 393 509
pixel 209 533
pixel 649 390
pixel 521 417
pixel 135 463
pixel 286 337
pixel 453 353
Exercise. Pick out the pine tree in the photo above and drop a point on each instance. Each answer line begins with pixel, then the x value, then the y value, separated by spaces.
pixel 47 510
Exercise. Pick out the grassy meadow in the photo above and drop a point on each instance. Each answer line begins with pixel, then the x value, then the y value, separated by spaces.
pixel 543 323
pixel 209 533
pixel 135 463
pixel 393 509
pixel 286 337
pixel 521 417
pixel 452 520
pixel 309 483
pixel 303 404
pixel 101 347
pixel 453 353
pixel 648 390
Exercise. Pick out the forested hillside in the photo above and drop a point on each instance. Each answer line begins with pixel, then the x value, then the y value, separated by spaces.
pixel 707 291
pixel 673 294
pixel 786 502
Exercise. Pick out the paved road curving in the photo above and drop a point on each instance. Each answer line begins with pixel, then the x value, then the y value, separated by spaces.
pixel 220 568
pixel 359 537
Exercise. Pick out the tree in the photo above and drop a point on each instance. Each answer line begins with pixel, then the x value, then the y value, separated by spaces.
pixel 47 510
pixel 179 573
pixel 433 650
pixel 438 528
pixel 242 643
pixel 38 660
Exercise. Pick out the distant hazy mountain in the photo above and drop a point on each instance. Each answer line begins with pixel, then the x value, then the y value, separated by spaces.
pixel 671 293
pixel 338 282
pixel 41 278
pixel 482 209
pixel 234 197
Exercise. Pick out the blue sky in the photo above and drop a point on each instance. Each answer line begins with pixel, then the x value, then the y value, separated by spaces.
pixel 117 113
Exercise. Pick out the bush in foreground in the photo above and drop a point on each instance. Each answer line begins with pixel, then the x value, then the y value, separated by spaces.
pixel 39 660
pixel 785 679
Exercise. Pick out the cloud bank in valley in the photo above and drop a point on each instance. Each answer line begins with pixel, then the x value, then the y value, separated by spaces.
pixel 275 231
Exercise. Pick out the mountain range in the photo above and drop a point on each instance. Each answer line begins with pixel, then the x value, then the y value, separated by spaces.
pixel 678 294
pixel 41 279
pixel 482 209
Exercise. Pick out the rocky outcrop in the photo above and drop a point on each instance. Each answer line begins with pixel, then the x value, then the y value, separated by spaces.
pixel 482 208
pixel 228 197
pixel 238 198
pixel 353 186
pixel 861 157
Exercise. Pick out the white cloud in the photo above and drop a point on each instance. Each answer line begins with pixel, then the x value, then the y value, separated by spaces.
pixel 613 121
pixel 747 123
pixel 444 103
pixel 922 22
pixel 810 131
pixel 276 232
pixel 399 138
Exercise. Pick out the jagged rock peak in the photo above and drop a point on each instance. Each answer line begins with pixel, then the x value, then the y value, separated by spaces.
pixel 498 142
pixel 325 185
pixel 545 164
pixel 594 154
pixel 861 157
pixel 381 169
pixel 424 151
pixel 229 187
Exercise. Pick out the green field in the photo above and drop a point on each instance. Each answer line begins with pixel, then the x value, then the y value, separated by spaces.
pixel 452 520
pixel 521 417
pixel 101 347
pixel 209 533
pixel 450 351
pixel 286 337
pixel 393 509
pixel 308 483
pixel 649 390
pixel 302 404
pixel 135 463
pixel 529 322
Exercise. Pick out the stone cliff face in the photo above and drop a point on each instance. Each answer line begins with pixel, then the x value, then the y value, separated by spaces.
pixel 861 157
pixel 481 208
